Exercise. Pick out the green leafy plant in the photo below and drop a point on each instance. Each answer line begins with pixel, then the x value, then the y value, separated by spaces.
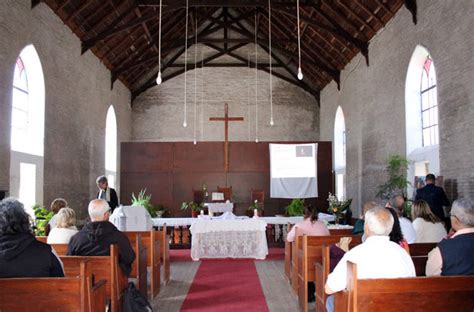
pixel 145 201
pixel 296 207
pixel 42 217
pixel 191 205
pixel 397 183
pixel 255 205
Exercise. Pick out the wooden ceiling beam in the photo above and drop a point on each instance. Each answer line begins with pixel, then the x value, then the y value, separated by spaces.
pixel 357 17
pixel 190 66
pixel 230 64
pixel 176 43
pixel 369 12
pixel 77 11
pixel 227 3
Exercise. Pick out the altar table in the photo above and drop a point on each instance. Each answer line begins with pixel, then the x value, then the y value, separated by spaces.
pixel 240 238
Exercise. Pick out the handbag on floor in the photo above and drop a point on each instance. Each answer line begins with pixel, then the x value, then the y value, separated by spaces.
pixel 134 301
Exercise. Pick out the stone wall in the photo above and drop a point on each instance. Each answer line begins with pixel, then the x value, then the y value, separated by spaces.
pixel 78 95
pixel 158 113
pixel 373 98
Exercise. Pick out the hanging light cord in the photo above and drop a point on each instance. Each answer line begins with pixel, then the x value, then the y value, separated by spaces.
pixel 256 81
pixel 185 124
pixel 270 58
pixel 195 77
pixel 158 79
pixel 300 73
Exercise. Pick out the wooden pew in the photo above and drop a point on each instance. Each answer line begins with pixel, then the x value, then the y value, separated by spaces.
pixel 442 293
pixel 42 239
pixel 321 272
pixel 310 251
pixel 149 240
pixel 419 255
pixel 74 293
pixel 102 267
pixel 164 252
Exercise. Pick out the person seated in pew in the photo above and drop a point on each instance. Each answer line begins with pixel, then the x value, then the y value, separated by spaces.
pixel 377 257
pixel 359 225
pixel 309 226
pixel 65 227
pixel 397 202
pixel 396 235
pixel 96 237
pixel 428 227
pixel 21 255
pixel 56 205
pixel 455 256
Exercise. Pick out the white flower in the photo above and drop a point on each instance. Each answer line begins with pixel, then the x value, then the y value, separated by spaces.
pixel 255 201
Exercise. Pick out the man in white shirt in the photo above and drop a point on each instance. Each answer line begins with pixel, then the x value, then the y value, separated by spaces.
pixel 377 257
pixel 398 202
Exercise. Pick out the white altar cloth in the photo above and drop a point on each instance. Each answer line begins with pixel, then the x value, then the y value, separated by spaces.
pixel 240 238
pixel 219 207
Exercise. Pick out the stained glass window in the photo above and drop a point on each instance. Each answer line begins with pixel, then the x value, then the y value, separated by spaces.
pixel 429 104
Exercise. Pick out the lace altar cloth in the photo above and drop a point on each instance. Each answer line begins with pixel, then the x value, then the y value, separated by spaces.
pixel 229 239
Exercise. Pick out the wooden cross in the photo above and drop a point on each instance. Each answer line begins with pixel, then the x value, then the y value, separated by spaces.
pixel 226 120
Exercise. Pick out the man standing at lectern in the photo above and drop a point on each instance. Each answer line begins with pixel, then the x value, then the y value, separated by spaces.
pixel 107 193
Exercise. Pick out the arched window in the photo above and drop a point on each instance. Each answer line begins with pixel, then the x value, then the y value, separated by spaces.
pixel 27 129
pixel 340 153
pixel 421 115
pixel 111 146
pixel 429 104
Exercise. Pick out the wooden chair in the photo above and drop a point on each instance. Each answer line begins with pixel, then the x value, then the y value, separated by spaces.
pixel 103 268
pixel 310 251
pixel 441 293
pixel 258 195
pixel 198 196
pixel 419 255
pixel 139 268
pixel 150 241
pixel 74 293
pixel 227 192
pixel 164 240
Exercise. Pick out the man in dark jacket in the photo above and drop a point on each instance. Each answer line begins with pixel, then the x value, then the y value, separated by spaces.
pixel 107 193
pixel 96 237
pixel 21 255
pixel 434 196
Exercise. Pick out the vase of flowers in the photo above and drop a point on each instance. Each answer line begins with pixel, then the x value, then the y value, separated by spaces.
pixel 255 206
pixel 338 207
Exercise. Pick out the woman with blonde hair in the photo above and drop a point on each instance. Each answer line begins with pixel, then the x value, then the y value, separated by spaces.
pixel 428 227
pixel 65 227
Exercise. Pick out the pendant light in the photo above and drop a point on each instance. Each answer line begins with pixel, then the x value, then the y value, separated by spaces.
pixel 158 78
pixel 256 81
pixel 300 73
pixel 270 59
pixel 195 78
pixel 185 123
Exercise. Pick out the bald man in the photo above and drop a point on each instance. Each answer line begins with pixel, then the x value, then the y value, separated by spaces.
pixel 96 237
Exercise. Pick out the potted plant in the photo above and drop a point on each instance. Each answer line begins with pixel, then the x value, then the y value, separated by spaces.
pixel 255 206
pixel 145 201
pixel 397 183
pixel 42 217
pixel 195 208
pixel 295 208
pixel 338 207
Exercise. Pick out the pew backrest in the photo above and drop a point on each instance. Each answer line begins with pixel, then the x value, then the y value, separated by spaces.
pixel 421 249
pixel 103 268
pixel 442 293
pixel 74 293
pixel 164 239
pixel 288 254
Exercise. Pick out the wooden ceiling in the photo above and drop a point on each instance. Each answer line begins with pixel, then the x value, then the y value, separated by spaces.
pixel 123 34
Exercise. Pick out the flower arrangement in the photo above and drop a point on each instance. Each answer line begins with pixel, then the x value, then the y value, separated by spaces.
pixel 144 200
pixel 42 217
pixel 191 205
pixel 255 205
pixel 295 208
pixel 338 207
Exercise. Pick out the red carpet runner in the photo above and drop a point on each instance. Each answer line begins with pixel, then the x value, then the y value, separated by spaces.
pixel 226 285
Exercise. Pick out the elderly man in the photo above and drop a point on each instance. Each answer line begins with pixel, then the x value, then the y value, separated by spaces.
pixel 397 202
pixel 377 257
pixel 107 193
pixel 96 237
pixel 455 256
